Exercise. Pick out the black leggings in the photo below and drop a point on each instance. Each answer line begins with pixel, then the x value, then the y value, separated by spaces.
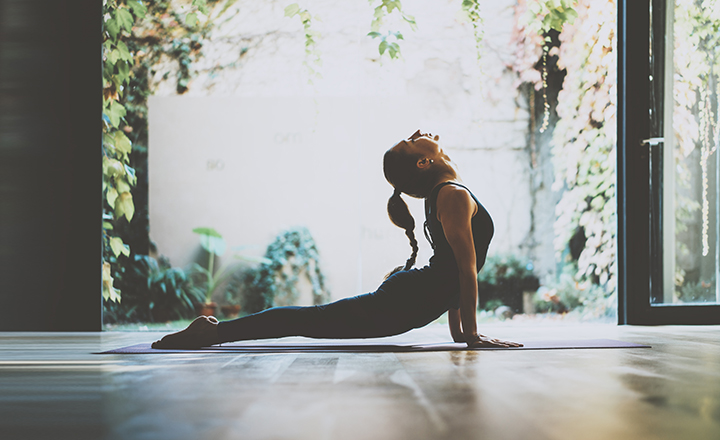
pixel 406 300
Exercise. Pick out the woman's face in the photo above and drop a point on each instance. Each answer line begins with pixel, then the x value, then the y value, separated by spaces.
pixel 422 144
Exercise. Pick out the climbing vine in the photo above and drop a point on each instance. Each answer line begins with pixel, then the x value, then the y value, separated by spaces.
pixel 312 54
pixel 580 37
pixel 584 143
pixel 118 175
pixel 471 9
pixel 137 35
pixel 389 41
pixel 541 17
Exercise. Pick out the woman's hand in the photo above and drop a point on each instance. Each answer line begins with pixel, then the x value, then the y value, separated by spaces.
pixel 482 341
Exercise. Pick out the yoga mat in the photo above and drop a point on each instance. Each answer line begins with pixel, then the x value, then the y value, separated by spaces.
pixel 368 347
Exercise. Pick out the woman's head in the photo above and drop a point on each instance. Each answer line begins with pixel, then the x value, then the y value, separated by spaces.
pixel 413 166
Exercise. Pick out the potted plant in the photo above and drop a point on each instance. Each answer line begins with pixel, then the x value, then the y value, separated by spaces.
pixel 209 279
pixel 214 245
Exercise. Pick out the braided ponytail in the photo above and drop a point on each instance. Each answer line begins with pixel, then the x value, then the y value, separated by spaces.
pixel 400 216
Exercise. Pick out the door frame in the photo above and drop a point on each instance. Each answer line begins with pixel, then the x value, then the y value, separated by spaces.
pixel 640 263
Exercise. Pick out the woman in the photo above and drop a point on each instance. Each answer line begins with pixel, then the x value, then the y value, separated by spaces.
pixel 459 229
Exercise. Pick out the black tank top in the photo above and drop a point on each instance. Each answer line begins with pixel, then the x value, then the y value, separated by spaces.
pixel 482 230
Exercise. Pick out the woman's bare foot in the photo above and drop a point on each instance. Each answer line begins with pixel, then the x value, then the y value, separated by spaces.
pixel 202 332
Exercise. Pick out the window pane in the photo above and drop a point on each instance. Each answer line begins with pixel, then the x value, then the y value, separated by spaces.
pixel 691 171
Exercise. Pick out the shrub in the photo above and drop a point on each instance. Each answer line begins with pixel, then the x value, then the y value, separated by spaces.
pixel 152 291
pixel 504 278
pixel 292 254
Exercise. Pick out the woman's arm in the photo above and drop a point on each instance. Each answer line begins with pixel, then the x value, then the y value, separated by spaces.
pixel 454 324
pixel 455 208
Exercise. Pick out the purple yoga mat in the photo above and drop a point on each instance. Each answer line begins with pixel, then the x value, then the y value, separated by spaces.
pixel 367 347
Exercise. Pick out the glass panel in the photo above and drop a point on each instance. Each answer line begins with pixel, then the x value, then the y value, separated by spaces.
pixel 690 171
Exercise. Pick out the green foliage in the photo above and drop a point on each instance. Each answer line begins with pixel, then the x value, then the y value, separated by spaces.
pixel 136 35
pixel 567 295
pixel 205 281
pixel 214 245
pixel 118 176
pixel 153 291
pixel 544 15
pixel 211 241
pixel 291 255
pixel 583 144
pixel 701 291
pixel 504 278
pixel 312 54
pixel 471 10
pixel 389 40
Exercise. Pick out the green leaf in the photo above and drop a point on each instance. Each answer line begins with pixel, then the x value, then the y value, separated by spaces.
pixel 112 168
pixel 118 247
pixel 110 293
pixel 202 6
pixel 122 186
pixel 571 15
pixel 292 9
pixel 191 19
pixel 123 51
pixel 122 143
pixel 374 34
pixel 111 196
pixel 112 27
pixel 123 74
pixel 124 206
pixel 137 7
pixel 393 50
pixel 115 112
pixel 107 226
pixel 113 56
pixel 211 240
pixel 382 47
pixel 411 21
pixel 124 19
pixel 130 173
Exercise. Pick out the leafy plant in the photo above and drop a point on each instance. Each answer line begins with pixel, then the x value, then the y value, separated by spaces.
pixel 206 280
pixel 583 140
pixel 312 54
pixel 504 278
pixel 701 291
pixel 136 36
pixel 153 291
pixel 118 176
pixel 471 9
pixel 568 295
pixel 293 253
pixel 389 40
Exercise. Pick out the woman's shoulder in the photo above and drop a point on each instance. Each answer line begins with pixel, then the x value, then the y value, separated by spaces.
pixel 453 196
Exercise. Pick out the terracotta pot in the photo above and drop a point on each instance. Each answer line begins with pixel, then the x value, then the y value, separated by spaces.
pixel 230 310
pixel 207 309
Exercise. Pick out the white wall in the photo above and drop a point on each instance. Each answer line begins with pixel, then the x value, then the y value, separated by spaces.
pixel 253 149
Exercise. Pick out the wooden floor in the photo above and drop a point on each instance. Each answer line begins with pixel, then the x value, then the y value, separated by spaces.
pixel 52 386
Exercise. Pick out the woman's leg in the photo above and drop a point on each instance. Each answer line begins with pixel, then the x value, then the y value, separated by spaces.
pixel 355 317
pixel 396 307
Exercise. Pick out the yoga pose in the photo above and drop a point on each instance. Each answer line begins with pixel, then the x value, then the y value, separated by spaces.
pixel 459 229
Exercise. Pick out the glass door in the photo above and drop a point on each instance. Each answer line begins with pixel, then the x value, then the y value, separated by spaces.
pixel 668 163
pixel 684 161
